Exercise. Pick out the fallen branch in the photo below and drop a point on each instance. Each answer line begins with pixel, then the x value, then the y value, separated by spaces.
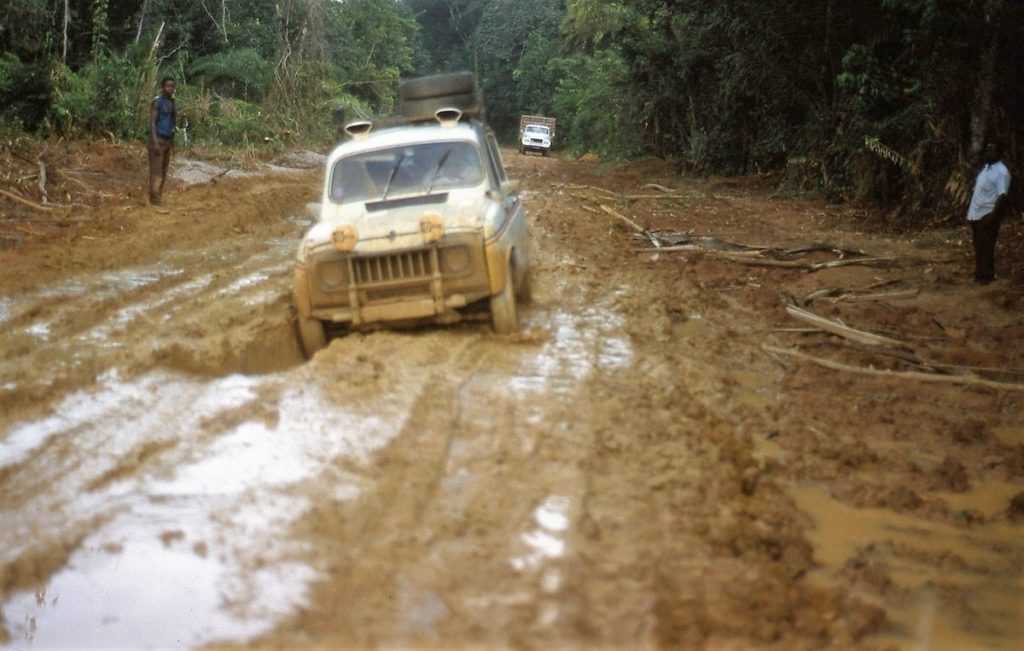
pixel 896 375
pixel 767 262
pixel 635 226
pixel 26 202
pixel 629 222
pixel 576 186
pixel 838 295
pixel 29 231
pixel 845 331
pixel 709 243
pixel 218 177
pixel 821 246
pixel 859 262
pixel 980 369
pixel 694 247
pixel 653 197
pixel 881 296
pixel 659 188
pixel 42 180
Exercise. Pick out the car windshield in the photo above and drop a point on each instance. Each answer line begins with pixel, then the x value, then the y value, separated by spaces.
pixel 536 129
pixel 407 170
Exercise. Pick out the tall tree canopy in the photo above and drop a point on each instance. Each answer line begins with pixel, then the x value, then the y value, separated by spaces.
pixel 878 100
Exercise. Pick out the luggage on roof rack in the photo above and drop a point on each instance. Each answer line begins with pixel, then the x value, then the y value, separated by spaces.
pixel 422 97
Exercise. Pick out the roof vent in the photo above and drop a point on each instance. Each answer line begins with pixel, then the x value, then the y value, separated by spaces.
pixel 359 129
pixel 448 117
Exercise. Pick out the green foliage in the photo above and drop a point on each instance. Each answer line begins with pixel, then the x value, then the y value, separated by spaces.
pixel 246 71
pixel 879 101
pixel 594 113
pixel 231 122
pixel 97 99
pixel 240 73
pixel 500 43
pixel 25 93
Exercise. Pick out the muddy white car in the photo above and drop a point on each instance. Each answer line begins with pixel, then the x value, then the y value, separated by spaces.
pixel 418 222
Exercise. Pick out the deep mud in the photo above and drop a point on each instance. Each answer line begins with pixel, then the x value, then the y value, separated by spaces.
pixel 633 469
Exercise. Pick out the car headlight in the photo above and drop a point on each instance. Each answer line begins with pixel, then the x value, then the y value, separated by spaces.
pixel 333 275
pixel 455 259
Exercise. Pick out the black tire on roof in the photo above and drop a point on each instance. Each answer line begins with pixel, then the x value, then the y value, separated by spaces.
pixel 424 109
pixel 456 83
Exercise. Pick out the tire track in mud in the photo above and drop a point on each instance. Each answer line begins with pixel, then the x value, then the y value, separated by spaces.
pixel 85 418
pixel 188 311
pixel 569 488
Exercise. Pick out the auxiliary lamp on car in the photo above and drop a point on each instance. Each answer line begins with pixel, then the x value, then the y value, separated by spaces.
pixel 345 238
pixel 431 227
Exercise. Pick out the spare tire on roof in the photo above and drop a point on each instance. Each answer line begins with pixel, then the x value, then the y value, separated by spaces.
pixel 424 109
pixel 456 83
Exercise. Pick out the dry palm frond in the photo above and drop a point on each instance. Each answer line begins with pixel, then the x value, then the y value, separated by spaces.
pixel 877 147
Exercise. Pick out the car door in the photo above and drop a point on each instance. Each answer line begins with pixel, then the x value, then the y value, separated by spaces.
pixel 516 231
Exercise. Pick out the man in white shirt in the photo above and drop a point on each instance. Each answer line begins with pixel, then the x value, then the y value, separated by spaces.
pixel 988 207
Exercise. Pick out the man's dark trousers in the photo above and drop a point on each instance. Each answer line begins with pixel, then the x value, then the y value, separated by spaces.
pixel 985 232
pixel 159 161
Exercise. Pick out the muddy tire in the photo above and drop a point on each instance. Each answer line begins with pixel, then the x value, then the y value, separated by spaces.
pixel 312 335
pixel 424 109
pixel 525 289
pixel 458 83
pixel 503 308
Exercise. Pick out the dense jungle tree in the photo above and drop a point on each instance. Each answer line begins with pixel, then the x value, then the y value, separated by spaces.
pixel 248 70
pixel 882 101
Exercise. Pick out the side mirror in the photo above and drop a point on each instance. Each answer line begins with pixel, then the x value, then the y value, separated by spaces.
pixel 511 187
pixel 313 210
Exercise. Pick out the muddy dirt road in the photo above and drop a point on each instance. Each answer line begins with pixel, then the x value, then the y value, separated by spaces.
pixel 635 469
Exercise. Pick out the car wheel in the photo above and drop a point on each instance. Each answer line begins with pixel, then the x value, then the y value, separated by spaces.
pixel 458 83
pixel 313 335
pixel 525 289
pixel 503 308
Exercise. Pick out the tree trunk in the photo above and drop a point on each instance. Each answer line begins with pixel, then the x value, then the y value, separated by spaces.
pixel 981 109
pixel 64 43
pixel 142 18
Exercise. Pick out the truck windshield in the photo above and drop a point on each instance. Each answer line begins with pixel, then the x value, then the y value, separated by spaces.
pixel 405 171
pixel 537 129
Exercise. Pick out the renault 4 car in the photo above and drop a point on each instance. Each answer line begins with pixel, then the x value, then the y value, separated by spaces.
pixel 418 222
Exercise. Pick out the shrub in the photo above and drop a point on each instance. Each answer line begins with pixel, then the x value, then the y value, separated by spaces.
pixel 25 93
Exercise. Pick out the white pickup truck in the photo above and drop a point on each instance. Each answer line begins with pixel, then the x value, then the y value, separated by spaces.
pixel 536 133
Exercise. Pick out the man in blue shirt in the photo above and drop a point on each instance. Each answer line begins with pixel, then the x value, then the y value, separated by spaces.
pixel 162 114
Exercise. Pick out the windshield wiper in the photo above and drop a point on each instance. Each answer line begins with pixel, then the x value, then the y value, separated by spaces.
pixel 391 176
pixel 437 172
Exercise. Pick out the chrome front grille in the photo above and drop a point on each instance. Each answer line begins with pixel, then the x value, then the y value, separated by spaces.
pixel 393 268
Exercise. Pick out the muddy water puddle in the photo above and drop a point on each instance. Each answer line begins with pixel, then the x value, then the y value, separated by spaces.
pixel 177 493
pixel 190 547
pixel 579 343
pixel 947 588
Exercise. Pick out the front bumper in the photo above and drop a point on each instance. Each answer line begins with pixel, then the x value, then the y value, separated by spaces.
pixel 535 145
pixel 430 281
